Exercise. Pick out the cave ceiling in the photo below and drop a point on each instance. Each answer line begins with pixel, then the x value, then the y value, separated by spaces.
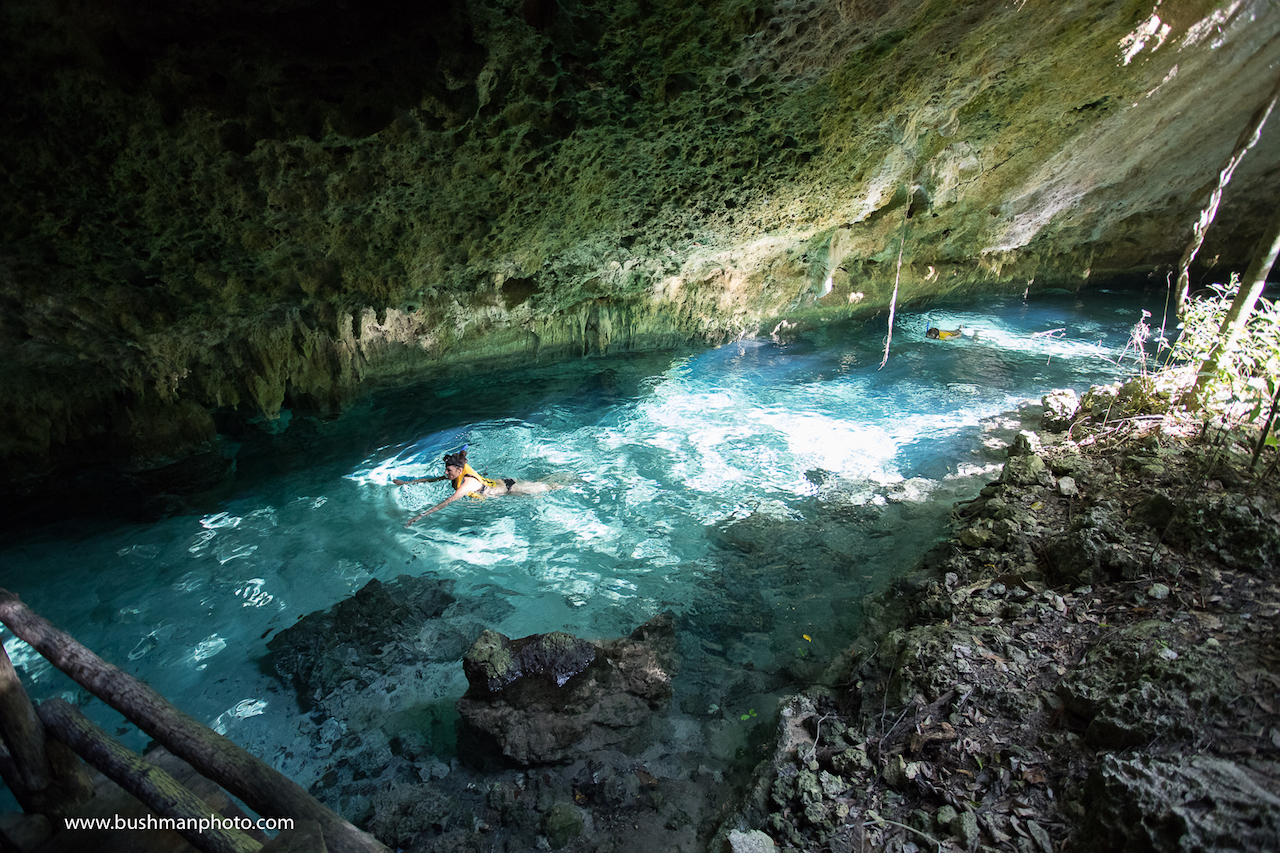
pixel 252 206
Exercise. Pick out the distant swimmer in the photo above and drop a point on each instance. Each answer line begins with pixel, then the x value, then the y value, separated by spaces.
pixel 943 334
pixel 467 483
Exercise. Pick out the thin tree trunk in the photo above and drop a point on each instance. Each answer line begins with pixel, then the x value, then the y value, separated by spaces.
pixel 1255 279
pixel 1247 139
pixel 1266 428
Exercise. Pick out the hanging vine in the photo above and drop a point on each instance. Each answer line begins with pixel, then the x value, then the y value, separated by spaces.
pixel 1247 139
pixel 893 300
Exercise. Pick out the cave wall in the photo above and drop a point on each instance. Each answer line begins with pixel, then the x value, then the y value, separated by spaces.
pixel 255 205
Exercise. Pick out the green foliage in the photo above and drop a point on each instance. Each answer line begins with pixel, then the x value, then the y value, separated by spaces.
pixel 1249 371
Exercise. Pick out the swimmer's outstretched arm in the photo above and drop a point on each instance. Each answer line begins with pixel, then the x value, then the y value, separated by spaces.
pixel 453 497
pixel 468 486
pixel 405 482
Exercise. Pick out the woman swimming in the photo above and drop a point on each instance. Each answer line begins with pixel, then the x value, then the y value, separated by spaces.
pixel 466 482
pixel 934 333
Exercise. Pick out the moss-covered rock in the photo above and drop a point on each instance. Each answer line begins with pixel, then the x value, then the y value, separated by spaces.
pixel 562 824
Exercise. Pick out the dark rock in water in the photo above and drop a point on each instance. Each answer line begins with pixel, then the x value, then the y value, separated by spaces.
pixel 1182 803
pixel 379 674
pixel 496 662
pixel 367 633
pixel 549 697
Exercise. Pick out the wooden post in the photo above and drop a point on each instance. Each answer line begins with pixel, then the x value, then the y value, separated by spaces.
pixel 189 816
pixel 44 776
pixel 20 731
pixel 12 779
pixel 263 788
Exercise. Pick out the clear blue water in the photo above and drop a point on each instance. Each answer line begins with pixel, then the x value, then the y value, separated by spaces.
pixel 757 490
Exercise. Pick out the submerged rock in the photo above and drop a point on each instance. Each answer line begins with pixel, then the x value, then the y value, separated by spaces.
pixel 358 638
pixel 382 672
pixel 549 697
pixel 378 672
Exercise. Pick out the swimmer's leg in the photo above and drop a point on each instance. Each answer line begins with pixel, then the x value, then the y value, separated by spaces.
pixel 530 487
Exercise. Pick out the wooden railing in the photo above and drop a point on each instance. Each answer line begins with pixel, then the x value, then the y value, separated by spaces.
pixel 46 779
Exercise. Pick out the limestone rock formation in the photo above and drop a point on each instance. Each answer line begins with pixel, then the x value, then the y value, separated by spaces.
pixel 244 208
pixel 548 697
pixel 1193 803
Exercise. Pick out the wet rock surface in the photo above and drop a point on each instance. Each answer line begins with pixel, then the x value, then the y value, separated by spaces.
pixel 551 697
pixel 1090 663
pixel 375 675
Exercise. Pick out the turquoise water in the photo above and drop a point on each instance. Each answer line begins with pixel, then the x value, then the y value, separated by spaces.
pixel 758 490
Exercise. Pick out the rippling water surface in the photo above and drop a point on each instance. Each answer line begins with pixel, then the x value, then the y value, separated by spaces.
pixel 757 490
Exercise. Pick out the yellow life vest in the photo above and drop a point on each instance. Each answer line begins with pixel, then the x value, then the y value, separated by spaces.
pixel 468 471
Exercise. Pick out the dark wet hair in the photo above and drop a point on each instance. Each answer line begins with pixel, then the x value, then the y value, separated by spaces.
pixel 459 458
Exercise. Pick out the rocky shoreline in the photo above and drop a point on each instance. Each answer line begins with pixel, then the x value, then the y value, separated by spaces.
pixel 1091 663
